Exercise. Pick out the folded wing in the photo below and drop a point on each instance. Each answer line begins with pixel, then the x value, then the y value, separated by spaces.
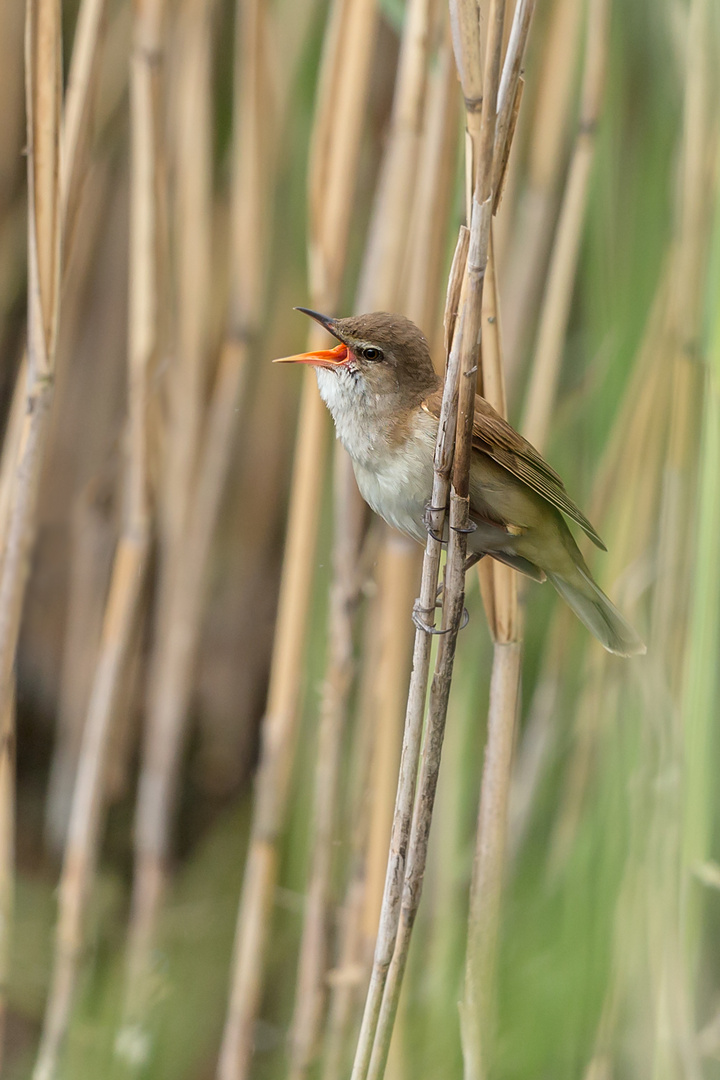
pixel 495 437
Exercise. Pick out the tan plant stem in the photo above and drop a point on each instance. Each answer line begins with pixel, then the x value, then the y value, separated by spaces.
pixel 523 267
pixel 380 281
pixel 175 677
pixel 499 588
pixel 340 109
pixel 130 563
pixel 542 389
pixel 356 923
pixel 94 532
pixel 43 92
pixel 344 595
pixel 402 818
pixel 490 855
pixel 424 264
pixel 43 97
pixel 78 109
pixel 26 435
pixel 191 490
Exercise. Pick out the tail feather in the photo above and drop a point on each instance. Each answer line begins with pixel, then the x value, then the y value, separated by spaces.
pixel 601 617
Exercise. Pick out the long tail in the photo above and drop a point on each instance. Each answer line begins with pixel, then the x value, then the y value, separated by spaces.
pixel 601 617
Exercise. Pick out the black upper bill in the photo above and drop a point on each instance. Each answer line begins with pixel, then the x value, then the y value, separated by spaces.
pixel 324 320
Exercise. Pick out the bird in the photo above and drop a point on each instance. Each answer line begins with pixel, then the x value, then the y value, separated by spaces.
pixel 384 396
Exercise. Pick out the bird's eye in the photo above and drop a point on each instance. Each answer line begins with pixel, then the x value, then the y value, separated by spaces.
pixel 371 353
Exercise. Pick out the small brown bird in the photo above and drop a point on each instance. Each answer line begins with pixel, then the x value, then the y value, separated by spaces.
pixel 384 395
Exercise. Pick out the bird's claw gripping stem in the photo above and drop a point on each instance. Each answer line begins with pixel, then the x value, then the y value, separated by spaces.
pixel 431 525
pixel 420 624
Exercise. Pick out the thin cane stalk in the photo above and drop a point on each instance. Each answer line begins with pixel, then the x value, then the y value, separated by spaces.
pixel 130 561
pixel 182 563
pixel 43 79
pixel 80 98
pixel 556 305
pixel 355 924
pixel 43 96
pixel 402 817
pixel 542 389
pixel 524 262
pixel 341 103
pixel 344 596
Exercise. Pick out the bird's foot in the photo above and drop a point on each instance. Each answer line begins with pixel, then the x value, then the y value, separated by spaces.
pixel 431 522
pixel 469 528
pixel 420 623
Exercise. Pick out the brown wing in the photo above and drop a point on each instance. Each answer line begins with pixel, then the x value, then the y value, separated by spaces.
pixel 493 436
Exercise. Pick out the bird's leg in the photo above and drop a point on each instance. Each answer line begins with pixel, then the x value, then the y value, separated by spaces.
pixel 431 522
pixel 470 561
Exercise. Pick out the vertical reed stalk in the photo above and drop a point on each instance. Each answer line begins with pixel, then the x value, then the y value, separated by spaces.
pixel 43 92
pixel 336 140
pixel 93 532
pixel 424 263
pixel 410 756
pixel 700 682
pixel 79 108
pixel 500 597
pixel 344 596
pixel 380 281
pixel 542 388
pixel 499 588
pixel 128 574
pixel 675 1044
pixel 356 924
pixel 397 585
pixel 523 265
pixel 43 59
pixel 190 502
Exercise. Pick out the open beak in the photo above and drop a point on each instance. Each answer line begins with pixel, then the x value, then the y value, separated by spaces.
pixel 328 358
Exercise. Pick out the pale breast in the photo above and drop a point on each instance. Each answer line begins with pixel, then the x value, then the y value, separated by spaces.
pixel 400 488
pixel 392 457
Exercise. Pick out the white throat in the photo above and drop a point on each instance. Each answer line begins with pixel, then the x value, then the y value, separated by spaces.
pixel 346 396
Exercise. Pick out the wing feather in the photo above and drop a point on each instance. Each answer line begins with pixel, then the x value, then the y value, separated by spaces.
pixel 495 437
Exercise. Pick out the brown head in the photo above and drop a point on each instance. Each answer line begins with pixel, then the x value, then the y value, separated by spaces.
pixel 386 356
